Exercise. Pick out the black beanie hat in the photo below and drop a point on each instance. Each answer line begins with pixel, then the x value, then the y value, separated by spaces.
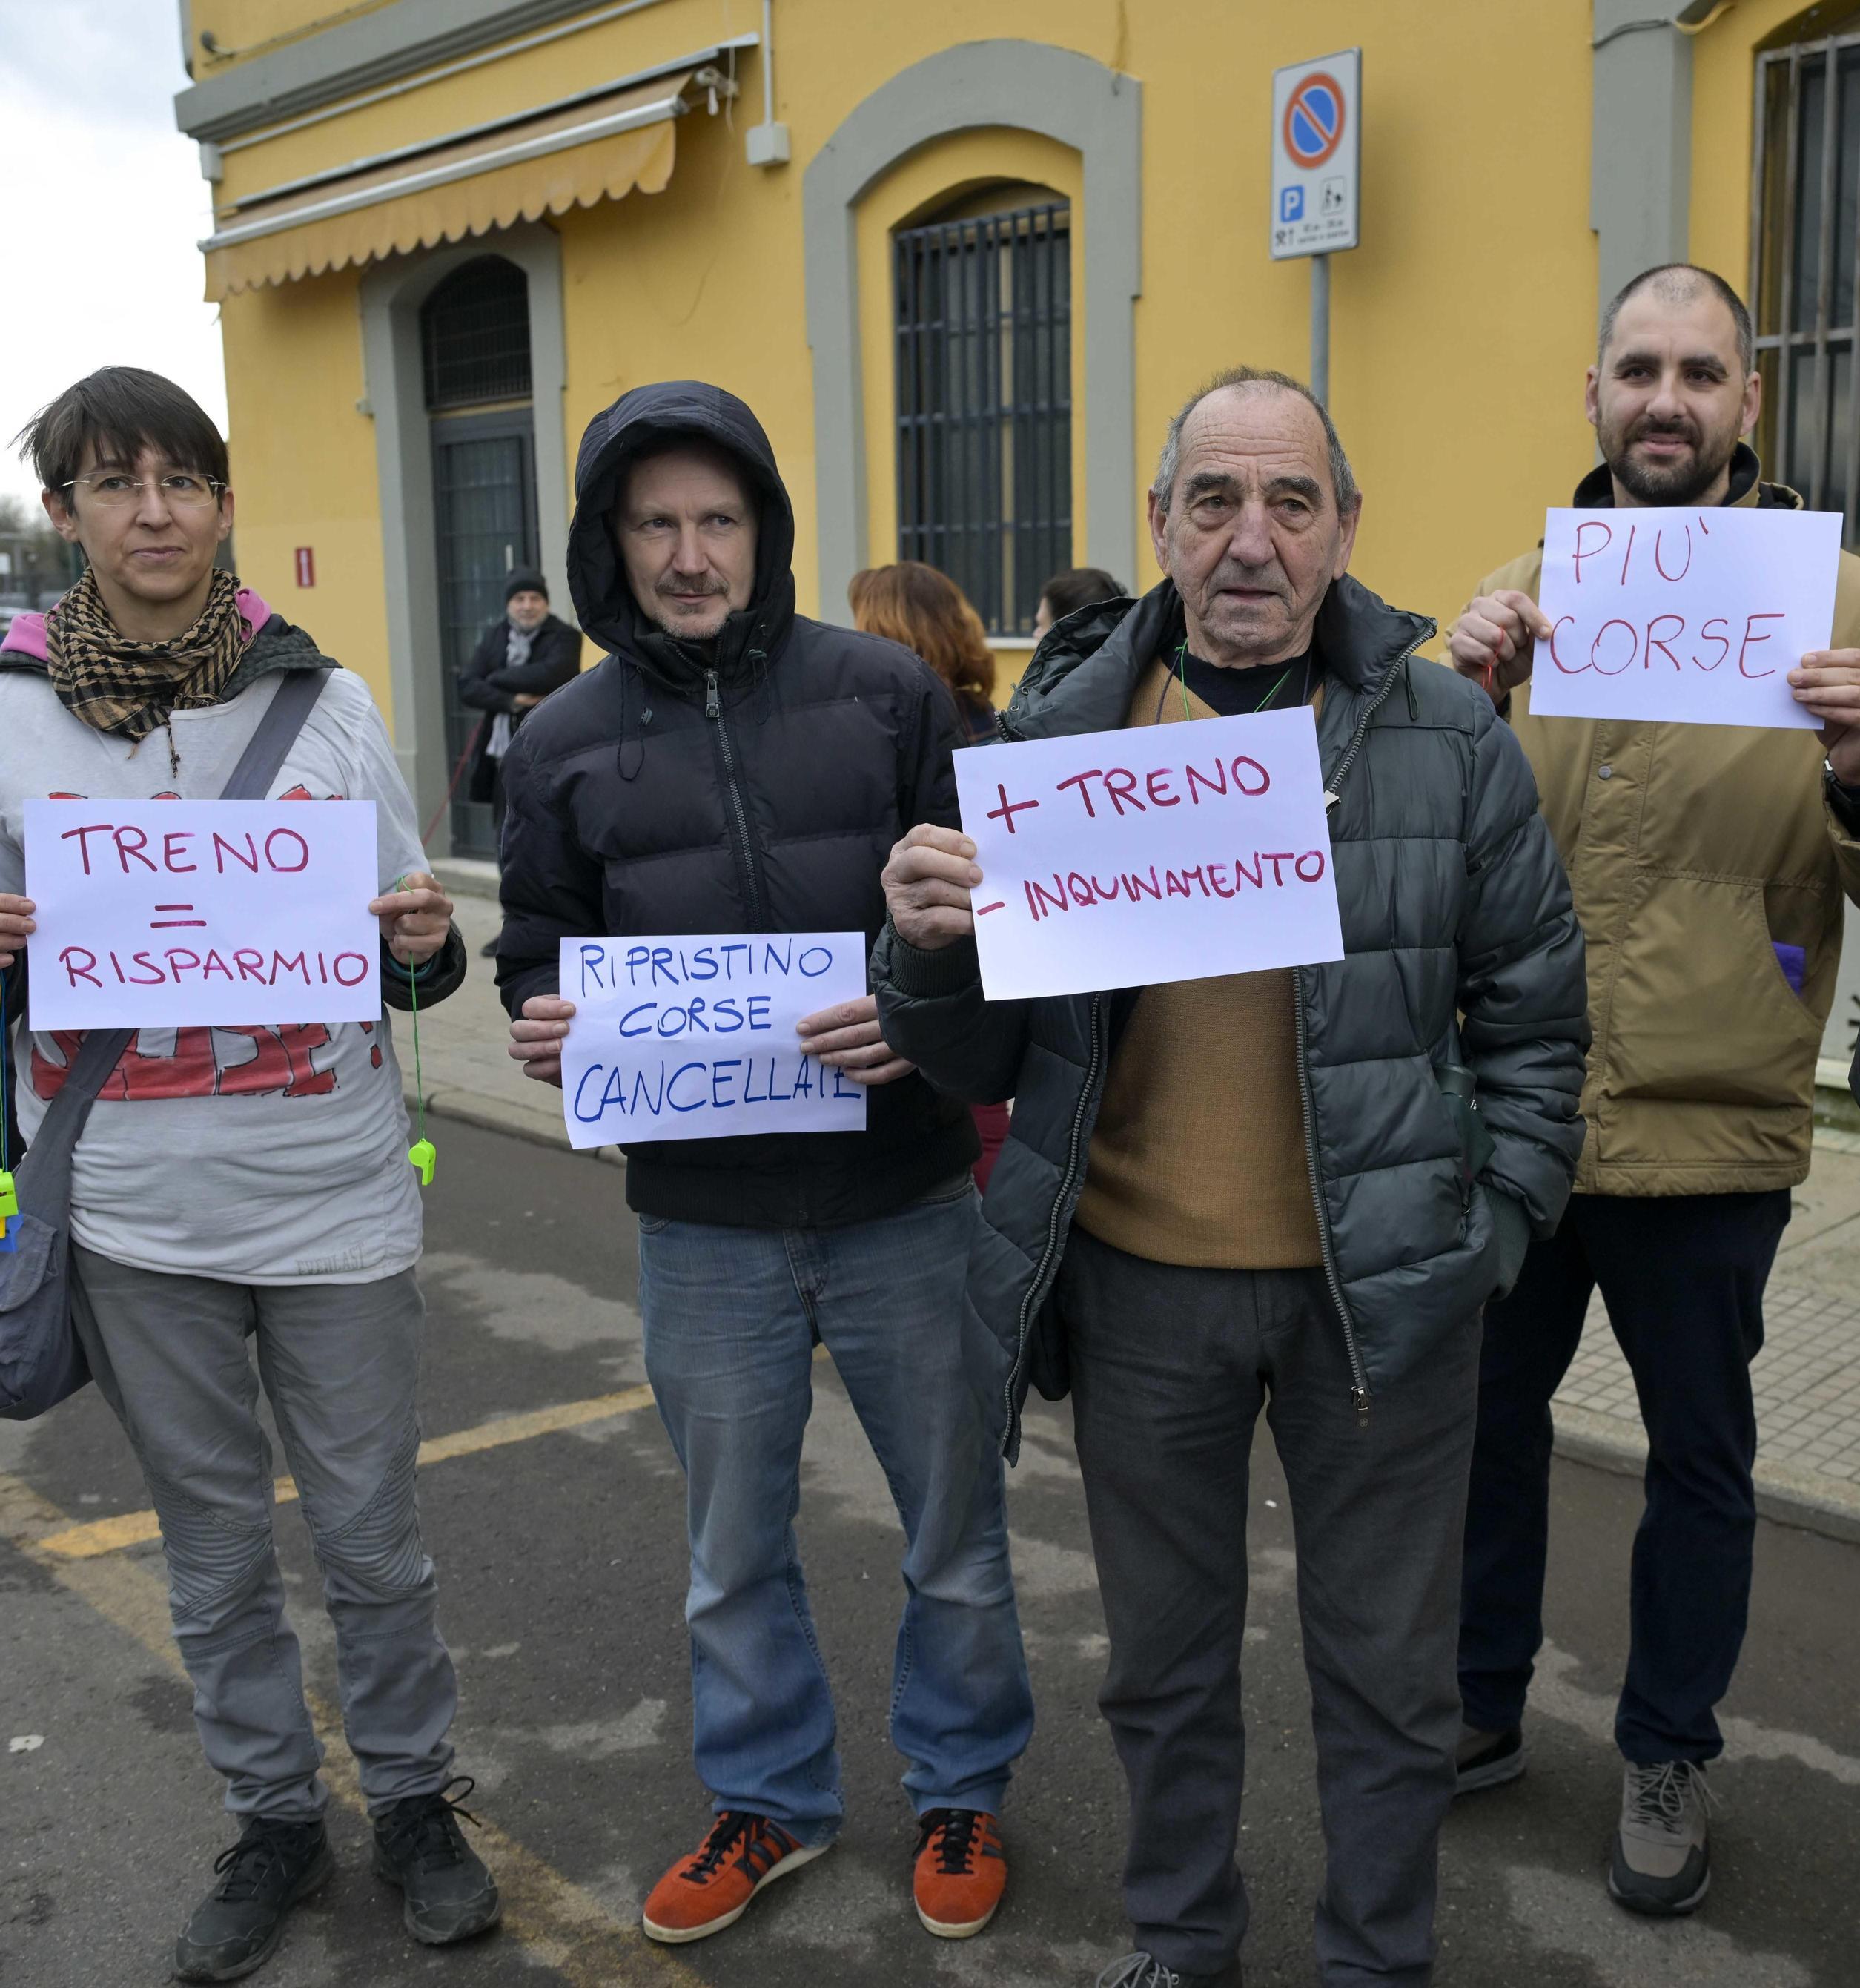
pixel 525 579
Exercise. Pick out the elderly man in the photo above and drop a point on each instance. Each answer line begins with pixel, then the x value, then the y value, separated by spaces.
pixel 1266 1190
pixel 733 767
pixel 1708 863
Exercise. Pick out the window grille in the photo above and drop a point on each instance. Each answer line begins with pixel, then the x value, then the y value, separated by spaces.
pixel 1805 277
pixel 474 336
pixel 982 310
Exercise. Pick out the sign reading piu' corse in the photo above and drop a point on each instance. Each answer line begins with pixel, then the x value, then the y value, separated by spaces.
pixel 1697 616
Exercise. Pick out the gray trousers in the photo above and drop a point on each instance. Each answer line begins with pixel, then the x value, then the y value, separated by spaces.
pixel 340 1364
pixel 1171 1368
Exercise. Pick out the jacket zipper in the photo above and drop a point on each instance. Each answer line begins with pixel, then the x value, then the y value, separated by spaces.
pixel 745 855
pixel 1359 1378
pixel 1066 1179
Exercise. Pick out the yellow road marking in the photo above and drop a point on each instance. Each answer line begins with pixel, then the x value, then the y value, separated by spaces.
pixel 134 1529
pixel 561 1925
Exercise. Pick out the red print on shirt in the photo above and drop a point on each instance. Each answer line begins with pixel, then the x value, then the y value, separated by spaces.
pixel 206 1063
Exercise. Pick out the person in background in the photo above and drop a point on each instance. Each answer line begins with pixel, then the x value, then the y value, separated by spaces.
pixel 927 612
pixel 237 1184
pixel 1066 592
pixel 1708 863
pixel 525 654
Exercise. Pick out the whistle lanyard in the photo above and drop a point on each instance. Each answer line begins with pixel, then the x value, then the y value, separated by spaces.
pixel 9 1196
pixel 1182 678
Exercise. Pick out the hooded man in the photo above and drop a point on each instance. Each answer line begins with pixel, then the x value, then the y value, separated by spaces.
pixel 1708 863
pixel 730 766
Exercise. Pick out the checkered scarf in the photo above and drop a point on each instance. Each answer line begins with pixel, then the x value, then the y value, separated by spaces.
pixel 114 685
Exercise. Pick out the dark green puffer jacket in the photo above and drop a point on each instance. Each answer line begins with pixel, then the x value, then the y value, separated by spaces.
pixel 1460 947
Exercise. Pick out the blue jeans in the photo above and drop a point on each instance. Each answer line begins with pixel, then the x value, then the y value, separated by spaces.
pixel 732 1316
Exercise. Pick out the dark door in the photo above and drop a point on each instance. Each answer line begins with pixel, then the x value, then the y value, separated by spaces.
pixel 484 508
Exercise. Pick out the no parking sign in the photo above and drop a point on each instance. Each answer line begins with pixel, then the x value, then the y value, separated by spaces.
pixel 1317 127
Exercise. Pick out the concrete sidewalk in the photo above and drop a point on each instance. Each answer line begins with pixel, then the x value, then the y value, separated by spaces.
pixel 1807 1376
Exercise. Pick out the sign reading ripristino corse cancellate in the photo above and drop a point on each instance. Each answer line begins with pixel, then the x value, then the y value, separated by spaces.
pixel 155 914
pixel 1695 616
pixel 1167 852
pixel 693 1037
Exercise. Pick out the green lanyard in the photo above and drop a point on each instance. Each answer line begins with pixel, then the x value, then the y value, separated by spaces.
pixel 1181 677
pixel 9 1196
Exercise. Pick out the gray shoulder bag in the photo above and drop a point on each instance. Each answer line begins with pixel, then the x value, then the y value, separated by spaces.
pixel 41 1361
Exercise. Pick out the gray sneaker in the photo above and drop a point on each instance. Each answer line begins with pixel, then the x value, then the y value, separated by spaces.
pixel 1144 1970
pixel 1662 1864
pixel 1487 1759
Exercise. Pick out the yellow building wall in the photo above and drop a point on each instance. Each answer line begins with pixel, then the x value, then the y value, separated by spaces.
pixel 303 466
pixel 1460 330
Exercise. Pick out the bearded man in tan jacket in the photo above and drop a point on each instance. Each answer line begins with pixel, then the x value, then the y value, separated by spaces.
pixel 1707 864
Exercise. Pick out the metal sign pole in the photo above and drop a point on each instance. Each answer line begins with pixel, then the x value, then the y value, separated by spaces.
pixel 1321 327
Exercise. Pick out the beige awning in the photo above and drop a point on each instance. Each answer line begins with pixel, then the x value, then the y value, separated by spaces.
pixel 597 147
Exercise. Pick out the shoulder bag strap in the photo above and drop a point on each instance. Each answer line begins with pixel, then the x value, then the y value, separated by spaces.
pixel 274 734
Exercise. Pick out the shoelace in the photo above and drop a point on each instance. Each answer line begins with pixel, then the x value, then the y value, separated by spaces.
pixel 960 1848
pixel 1660 1794
pixel 1139 1970
pixel 422 1830
pixel 247 1863
pixel 732 1831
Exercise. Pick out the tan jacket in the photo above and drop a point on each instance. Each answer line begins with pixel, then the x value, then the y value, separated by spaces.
pixel 1693 850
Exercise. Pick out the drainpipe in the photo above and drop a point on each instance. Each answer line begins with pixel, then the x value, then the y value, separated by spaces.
pixel 1640 154
pixel 766 143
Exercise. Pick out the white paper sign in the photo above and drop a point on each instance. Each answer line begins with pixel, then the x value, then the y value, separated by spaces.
pixel 1692 616
pixel 694 1037
pixel 1167 852
pixel 201 913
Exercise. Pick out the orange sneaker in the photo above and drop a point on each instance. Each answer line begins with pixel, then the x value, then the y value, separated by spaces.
pixel 701 1894
pixel 961 1873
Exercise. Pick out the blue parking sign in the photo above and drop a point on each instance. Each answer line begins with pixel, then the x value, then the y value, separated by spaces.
pixel 1291 203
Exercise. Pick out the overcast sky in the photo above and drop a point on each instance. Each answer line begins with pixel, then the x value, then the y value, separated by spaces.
pixel 104 205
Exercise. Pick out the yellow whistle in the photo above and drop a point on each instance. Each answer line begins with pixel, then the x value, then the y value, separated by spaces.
pixel 420 1156
pixel 9 1200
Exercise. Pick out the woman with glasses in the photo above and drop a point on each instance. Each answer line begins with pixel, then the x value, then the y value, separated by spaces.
pixel 244 1182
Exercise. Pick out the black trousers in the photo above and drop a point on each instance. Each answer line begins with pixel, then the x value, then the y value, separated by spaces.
pixel 1171 1367
pixel 1682 1277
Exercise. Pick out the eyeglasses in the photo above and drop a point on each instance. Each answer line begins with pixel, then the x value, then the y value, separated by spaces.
pixel 183 488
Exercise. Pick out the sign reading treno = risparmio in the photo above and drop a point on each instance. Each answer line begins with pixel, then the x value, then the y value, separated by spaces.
pixel 154 914
pixel 1167 852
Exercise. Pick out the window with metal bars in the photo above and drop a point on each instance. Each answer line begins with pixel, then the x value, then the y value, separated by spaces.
pixel 474 336
pixel 984 315
pixel 1805 277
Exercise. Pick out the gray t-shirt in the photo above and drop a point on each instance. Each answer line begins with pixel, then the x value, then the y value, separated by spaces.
pixel 271 1155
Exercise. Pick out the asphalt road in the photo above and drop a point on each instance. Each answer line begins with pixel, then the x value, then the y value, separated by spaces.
pixel 562 1559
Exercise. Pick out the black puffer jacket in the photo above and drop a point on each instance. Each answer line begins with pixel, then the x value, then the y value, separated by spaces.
pixel 755 783
pixel 488 684
pixel 1452 899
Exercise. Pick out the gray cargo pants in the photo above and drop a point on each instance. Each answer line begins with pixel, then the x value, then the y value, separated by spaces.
pixel 340 1364
pixel 1170 1367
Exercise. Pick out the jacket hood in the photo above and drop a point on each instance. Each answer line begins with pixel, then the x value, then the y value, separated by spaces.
pixel 648 418
pixel 1596 491
pixel 1085 672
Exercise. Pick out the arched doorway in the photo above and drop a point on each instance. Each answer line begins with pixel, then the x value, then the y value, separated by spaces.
pixel 475 346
